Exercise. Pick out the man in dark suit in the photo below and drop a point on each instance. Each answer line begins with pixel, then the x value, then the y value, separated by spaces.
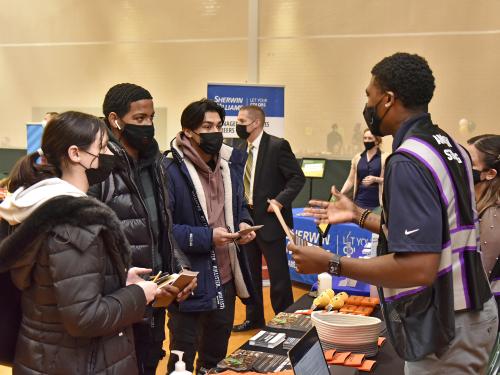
pixel 271 172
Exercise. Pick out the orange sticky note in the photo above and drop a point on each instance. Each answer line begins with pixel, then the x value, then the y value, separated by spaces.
pixel 304 312
pixel 381 341
pixel 339 358
pixel 367 365
pixel 354 360
pixel 329 354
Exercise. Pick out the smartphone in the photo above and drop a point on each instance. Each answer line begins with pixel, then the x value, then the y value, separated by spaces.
pixel 245 231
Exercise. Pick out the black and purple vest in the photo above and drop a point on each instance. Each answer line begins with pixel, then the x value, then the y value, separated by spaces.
pixel 421 320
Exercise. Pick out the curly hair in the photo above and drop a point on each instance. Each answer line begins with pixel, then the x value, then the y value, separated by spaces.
pixel 408 76
pixel 119 97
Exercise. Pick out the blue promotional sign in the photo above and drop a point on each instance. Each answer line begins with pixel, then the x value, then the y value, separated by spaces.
pixel 343 239
pixel 232 97
pixel 34 132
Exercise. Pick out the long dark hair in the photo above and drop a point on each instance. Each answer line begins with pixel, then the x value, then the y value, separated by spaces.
pixel 65 130
pixel 488 147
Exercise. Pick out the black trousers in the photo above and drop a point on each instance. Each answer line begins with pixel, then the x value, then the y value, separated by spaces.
pixel 148 339
pixel 206 333
pixel 279 276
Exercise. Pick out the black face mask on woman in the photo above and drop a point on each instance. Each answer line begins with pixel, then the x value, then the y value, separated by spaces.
pixel 369 145
pixel 210 143
pixel 97 175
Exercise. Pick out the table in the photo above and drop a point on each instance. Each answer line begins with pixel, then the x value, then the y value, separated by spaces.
pixel 388 361
pixel 343 239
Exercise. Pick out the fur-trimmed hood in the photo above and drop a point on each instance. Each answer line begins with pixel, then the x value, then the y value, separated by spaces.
pixel 78 220
pixel 24 201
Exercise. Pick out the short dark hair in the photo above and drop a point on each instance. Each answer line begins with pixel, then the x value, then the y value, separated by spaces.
pixel 255 110
pixel 67 129
pixel 408 76
pixel 193 115
pixel 119 97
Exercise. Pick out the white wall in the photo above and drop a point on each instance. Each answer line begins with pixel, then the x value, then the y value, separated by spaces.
pixel 59 54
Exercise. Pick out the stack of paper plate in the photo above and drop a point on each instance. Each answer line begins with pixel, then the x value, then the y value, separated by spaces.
pixel 347 333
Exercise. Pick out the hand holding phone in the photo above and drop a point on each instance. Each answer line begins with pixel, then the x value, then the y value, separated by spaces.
pixel 245 231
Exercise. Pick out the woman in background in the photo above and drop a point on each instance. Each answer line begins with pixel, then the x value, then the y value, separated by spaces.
pixel 68 256
pixel 485 154
pixel 367 173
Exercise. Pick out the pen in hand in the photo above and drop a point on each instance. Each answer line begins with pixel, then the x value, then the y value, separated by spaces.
pixel 157 276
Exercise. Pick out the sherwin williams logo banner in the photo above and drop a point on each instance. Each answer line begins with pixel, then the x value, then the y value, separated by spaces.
pixel 232 97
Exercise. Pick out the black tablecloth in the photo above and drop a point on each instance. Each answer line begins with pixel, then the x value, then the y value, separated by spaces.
pixel 388 361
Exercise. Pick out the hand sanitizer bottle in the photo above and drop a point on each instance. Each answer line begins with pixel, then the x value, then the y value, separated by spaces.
pixel 180 366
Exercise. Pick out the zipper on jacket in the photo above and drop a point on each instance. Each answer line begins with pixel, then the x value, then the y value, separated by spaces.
pixel 92 358
pixel 168 221
pixel 132 180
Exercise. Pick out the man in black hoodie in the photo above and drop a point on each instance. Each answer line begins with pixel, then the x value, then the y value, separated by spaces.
pixel 136 192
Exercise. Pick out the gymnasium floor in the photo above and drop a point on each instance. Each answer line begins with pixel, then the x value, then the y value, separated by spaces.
pixel 237 339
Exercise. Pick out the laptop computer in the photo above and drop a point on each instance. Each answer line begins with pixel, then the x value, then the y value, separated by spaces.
pixel 307 357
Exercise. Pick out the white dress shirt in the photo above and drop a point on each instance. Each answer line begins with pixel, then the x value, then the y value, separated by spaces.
pixel 255 144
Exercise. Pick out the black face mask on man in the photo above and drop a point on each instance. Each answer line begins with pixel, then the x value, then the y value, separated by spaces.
pixel 97 175
pixel 242 131
pixel 210 143
pixel 372 119
pixel 140 137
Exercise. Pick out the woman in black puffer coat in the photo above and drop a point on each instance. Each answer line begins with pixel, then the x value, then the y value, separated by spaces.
pixel 68 256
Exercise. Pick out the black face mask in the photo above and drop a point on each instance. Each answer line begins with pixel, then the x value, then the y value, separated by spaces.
pixel 97 175
pixel 373 120
pixel 369 145
pixel 476 176
pixel 210 143
pixel 242 132
pixel 140 137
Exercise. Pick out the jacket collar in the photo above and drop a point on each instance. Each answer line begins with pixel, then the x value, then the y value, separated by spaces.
pixel 406 126
pixel 225 153
pixel 146 159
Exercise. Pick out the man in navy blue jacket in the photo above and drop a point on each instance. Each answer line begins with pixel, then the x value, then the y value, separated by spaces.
pixel 205 184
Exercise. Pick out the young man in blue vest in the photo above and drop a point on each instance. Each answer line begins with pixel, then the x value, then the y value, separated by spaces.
pixel 436 301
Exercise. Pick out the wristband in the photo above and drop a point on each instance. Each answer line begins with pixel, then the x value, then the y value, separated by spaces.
pixel 363 217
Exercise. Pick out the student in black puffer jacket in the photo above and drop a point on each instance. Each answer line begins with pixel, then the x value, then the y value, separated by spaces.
pixel 136 192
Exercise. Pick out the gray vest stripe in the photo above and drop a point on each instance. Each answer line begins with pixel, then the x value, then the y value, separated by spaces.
pixel 495 287
pixel 462 238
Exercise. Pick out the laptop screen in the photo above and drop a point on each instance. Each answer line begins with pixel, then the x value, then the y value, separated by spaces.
pixel 307 356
